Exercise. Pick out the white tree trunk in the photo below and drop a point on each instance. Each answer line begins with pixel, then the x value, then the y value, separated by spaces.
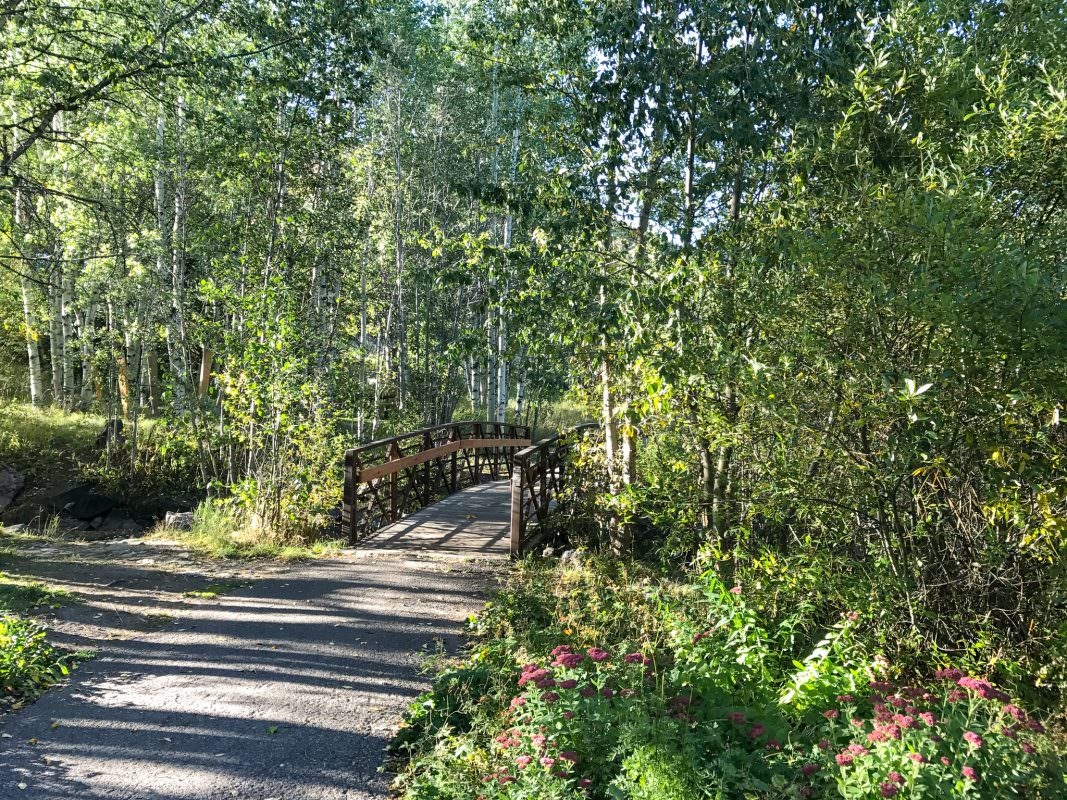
pixel 520 391
pixel 68 345
pixel 163 229
pixel 502 368
pixel 176 324
pixel 33 352
pixel 491 373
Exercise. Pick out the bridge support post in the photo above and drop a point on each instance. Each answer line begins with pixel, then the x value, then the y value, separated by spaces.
pixel 348 508
pixel 518 517
pixel 394 504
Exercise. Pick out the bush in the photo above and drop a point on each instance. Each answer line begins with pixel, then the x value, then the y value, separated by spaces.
pixel 28 663
pixel 676 690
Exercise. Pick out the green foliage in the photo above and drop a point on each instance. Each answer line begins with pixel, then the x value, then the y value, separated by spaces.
pixel 28 663
pixel 686 690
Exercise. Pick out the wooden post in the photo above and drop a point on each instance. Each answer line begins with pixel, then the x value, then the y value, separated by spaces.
pixel 394 454
pixel 427 443
pixel 544 463
pixel 477 460
pixel 518 518
pixel 348 509
pixel 452 437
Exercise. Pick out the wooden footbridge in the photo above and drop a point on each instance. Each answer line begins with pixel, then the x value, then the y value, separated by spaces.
pixel 463 488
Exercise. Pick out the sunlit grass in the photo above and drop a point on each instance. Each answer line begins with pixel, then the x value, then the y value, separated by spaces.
pixel 218 532
pixel 34 440
pixel 551 417
pixel 20 595
pixel 213 590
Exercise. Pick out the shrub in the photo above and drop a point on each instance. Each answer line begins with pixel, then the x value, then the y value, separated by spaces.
pixel 677 690
pixel 961 737
pixel 28 663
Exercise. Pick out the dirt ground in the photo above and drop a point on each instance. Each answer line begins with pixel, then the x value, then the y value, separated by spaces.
pixel 226 679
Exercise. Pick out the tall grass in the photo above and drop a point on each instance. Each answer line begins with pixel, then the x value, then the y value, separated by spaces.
pixel 219 531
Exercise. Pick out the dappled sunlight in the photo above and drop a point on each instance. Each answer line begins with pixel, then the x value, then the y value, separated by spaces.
pixel 310 664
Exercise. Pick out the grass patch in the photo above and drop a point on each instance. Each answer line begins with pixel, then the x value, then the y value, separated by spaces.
pixel 159 620
pixel 215 589
pixel 44 441
pixel 20 595
pixel 218 532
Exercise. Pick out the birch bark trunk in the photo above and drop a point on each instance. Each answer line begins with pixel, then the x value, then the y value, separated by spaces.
pixel 33 353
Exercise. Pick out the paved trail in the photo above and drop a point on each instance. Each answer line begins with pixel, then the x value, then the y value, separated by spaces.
pixel 287 688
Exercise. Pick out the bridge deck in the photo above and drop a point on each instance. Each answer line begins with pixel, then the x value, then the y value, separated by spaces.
pixel 473 523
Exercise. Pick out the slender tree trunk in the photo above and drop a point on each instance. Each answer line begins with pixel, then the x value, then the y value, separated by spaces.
pixel 55 335
pixel 85 329
pixel 398 230
pixel 33 353
pixel 722 519
pixel 520 387
pixel 70 389
pixel 207 357
pixel 176 325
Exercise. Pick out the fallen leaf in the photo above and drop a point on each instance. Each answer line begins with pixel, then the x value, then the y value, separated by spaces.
pixel 273 729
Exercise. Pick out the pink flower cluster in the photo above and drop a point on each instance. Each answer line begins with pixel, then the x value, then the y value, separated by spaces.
pixel 983 689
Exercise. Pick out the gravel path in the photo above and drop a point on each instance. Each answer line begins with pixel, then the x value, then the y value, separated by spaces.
pixel 288 687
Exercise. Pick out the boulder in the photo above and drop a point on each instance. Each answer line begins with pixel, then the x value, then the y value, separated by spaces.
pixel 572 558
pixel 181 520
pixel 121 522
pixel 82 502
pixel 11 483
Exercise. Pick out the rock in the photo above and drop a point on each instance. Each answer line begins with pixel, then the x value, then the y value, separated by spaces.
pixel 11 483
pixel 572 558
pixel 120 521
pixel 82 502
pixel 182 520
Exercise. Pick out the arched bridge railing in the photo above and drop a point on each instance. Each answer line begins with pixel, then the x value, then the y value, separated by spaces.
pixel 537 481
pixel 386 479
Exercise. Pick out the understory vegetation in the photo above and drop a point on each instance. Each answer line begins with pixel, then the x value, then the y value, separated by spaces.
pixel 612 680
pixel 803 263
pixel 28 662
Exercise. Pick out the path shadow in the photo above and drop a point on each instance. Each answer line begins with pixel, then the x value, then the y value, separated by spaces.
pixel 287 688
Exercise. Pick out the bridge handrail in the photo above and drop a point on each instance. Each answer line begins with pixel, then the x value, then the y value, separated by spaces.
pixel 383 479
pixel 536 480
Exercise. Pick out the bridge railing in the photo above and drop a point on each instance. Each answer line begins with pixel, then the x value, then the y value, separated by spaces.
pixel 538 479
pixel 388 478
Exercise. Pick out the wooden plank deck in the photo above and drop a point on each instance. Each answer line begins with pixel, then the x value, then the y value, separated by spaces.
pixel 473 523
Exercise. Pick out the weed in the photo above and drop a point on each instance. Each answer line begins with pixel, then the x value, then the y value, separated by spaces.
pixel 28 663
pixel 216 589
pixel 20 595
